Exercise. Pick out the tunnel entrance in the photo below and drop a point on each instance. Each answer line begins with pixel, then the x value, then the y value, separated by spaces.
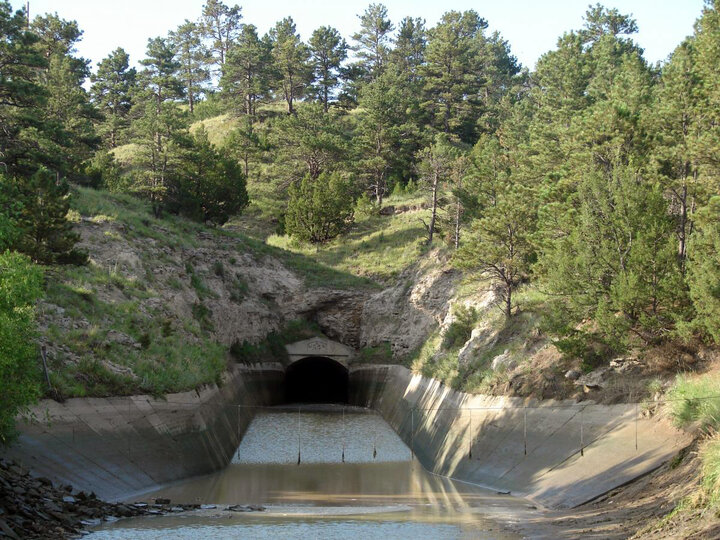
pixel 316 379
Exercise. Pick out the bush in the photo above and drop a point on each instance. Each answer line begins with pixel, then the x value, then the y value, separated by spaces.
pixel 320 209
pixel 20 286
pixel 460 330
pixel 364 207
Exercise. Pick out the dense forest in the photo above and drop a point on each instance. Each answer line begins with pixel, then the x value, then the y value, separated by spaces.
pixel 594 177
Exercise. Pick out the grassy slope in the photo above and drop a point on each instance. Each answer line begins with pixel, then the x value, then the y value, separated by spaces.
pixel 156 354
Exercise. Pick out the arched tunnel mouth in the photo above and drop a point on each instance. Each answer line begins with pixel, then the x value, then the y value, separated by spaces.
pixel 316 379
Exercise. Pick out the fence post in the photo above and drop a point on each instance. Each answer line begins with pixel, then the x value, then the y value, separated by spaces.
pixel 582 440
pixel 412 433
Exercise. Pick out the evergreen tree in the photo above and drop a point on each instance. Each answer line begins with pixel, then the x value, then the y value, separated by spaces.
pixel 221 26
pixel 112 88
pixel 68 117
pixel 499 243
pixel 160 125
pixel 386 138
pixel 372 42
pixel 435 165
pixel 328 50
pixel 674 122
pixel 319 209
pixel 21 95
pixel 291 62
pixel 310 142
pixel 452 73
pixel 244 144
pixel 193 58
pixel 612 258
pixel 43 231
pixel 410 45
pixel 211 187
pixel 247 74
pixel 704 269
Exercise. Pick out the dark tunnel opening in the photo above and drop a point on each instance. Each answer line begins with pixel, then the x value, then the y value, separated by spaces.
pixel 316 379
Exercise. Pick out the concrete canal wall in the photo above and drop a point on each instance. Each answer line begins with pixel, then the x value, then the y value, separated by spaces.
pixel 558 453
pixel 124 445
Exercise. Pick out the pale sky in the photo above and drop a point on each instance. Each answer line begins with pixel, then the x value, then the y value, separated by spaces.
pixel 531 26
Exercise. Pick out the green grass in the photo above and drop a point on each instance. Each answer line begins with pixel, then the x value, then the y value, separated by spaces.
pixel 125 154
pixel 376 247
pixel 710 455
pixel 694 401
pixel 163 361
pixel 218 127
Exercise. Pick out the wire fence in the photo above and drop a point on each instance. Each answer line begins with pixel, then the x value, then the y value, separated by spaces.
pixel 440 434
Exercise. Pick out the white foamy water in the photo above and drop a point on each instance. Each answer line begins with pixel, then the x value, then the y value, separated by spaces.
pixel 320 437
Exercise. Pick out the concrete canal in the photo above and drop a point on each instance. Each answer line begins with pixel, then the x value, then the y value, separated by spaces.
pixel 325 471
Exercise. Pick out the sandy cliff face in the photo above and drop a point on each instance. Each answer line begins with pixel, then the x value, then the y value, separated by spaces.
pixel 405 314
pixel 240 295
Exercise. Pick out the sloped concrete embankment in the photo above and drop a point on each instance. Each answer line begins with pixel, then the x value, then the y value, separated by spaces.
pixel 119 446
pixel 557 453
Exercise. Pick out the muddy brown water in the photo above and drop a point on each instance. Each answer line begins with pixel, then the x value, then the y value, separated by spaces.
pixel 356 479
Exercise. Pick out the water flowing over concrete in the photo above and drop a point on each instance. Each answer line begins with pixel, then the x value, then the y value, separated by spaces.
pixel 377 491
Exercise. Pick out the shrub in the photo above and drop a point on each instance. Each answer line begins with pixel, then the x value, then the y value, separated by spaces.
pixel 319 209
pixel 460 330
pixel 20 286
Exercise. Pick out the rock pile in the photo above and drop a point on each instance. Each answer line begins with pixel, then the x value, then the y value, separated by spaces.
pixel 32 508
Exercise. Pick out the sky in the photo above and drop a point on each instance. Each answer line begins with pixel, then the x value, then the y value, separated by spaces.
pixel 530 26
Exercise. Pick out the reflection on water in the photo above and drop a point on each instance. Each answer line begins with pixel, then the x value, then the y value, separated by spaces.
pixel 300 529
pixel 388 496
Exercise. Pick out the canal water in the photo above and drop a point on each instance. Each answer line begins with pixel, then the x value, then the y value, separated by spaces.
pixel 324 472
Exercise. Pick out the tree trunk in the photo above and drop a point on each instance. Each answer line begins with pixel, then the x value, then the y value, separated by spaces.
pixel 431 228
pixel 508 301
pixel 458 212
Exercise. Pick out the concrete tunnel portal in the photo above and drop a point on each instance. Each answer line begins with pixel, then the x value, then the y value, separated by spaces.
pixel 317 372
pixel 316 379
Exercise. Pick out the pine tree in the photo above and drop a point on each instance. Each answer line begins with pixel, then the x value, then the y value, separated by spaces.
pixel 410 45
pixel 193 58
pixel 43 231
pixel 221 26
pixel 452 73
pixel 310 142
pixel 386 139
pixel 244 144
pixel 704 269
pixel 113 85
pixel 372 42
pixel 21 95
pixel 210 186
pixel 247 72
pixel 328 50
pixel 160 125
pixel 291 62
